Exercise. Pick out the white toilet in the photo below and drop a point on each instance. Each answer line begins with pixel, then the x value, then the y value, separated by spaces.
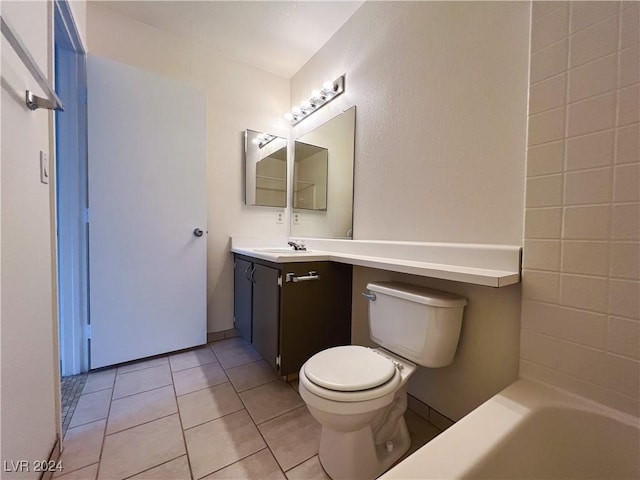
pixel 358 394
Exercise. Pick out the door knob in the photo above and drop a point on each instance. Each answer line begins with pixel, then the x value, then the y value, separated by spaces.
pixel 198 232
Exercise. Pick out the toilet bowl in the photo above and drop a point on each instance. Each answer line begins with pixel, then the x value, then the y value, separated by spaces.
pixel 354 421
pixel 358 394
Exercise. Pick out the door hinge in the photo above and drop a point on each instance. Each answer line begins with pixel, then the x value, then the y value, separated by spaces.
pixel 278 361
pixel 234 321
pixel 86 215
pixel 279 280
pixel 88 331
pixel 85 95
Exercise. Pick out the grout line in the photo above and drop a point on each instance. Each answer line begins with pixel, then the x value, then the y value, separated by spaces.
pixel 155 466
pixel 192 366
pixel 557 140
pixel 217 418
pixel 229 464
pixel 261 434
pixel 75 470
pixel 142 391
pixel 204 388
pixel 237 461
pixel 143 423
pixel 142 368
pixel 184 437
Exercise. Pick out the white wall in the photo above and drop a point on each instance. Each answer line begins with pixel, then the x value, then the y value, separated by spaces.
pixel 30 388
pixel 581 289
pixel 441 92
pixel 238 97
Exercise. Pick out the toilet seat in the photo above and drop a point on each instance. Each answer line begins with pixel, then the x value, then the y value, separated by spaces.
pixel 350 374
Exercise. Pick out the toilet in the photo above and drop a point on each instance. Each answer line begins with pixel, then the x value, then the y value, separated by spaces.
pixel 358 394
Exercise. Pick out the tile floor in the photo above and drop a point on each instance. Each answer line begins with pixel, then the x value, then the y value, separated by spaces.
pixel 217 411
pixel 71 388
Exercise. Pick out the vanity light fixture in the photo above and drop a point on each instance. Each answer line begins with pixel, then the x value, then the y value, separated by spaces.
pixel 317 100
pixel 262 139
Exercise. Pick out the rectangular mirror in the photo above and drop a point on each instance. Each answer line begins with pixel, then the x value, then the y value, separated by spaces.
pixel 310 176
pixel 323 179
pixel 265 159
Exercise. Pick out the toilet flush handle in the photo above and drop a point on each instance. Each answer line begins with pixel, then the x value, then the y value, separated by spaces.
pixel 370 296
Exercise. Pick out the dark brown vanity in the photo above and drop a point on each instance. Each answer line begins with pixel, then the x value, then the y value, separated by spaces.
pixel 290 311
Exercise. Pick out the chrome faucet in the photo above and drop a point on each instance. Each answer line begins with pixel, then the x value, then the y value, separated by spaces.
pixel 297 246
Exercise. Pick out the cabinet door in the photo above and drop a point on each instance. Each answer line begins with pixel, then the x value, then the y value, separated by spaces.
pixel 242 297
pixel 315 314
pixel 266 311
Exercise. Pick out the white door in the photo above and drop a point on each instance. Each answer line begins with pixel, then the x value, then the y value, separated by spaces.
pixel 147 195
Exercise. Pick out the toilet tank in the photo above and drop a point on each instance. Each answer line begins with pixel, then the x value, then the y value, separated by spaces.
pixel 417 323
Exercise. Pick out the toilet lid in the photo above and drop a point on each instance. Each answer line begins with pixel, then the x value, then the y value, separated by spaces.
pixel 349 368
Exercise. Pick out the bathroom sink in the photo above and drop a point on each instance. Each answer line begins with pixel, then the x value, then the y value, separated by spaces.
pixel 280 250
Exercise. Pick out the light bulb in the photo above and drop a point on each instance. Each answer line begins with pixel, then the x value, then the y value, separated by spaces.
pixel 316 96
pixel 296 111
pixel 288 116
pixel 327 87
pixel 306 106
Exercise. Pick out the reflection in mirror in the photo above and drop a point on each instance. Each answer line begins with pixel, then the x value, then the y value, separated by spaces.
pixel 265 169
pixel 326 210
pixel 310 181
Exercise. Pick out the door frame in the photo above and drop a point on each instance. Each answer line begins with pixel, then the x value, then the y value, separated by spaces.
pixel 71 193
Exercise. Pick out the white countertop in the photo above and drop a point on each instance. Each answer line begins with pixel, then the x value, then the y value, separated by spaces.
pixel 464 262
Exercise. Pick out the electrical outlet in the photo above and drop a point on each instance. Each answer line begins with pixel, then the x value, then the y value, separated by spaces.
pixel 44 167
pixel 279 217
pixel 296 218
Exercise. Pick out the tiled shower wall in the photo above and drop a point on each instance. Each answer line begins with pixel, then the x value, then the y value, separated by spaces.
pixel 581 288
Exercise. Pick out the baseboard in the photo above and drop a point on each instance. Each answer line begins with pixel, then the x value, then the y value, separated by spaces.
pixel 222 335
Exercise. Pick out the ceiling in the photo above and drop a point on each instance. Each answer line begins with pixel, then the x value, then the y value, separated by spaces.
pixel 276 36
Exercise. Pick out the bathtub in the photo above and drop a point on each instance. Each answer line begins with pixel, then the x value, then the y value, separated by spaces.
pixel 533 431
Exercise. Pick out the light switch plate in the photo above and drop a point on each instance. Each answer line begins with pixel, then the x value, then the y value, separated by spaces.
pixel 279 217
pixel 296 218
pixel 44 167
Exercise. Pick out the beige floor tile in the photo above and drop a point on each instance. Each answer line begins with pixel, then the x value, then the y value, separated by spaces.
pixel 192 358
pixel 86 473
pixel 259 466
pixel 208 404
pixel 228 344
pixel 270 400
pixel 251 375
pixel 221 442
pixel 91 407
pixel 293 437
pixel 141 380
pixel 308 470
pixel 81 446
pixel 177 469
pixel 235 357
pixel 197 378
pixel 135 450
pixel 99 380
pixel 140 408
pixel 142 364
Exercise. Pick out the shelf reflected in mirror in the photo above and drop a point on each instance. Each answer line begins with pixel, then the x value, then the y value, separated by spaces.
pixel 265 158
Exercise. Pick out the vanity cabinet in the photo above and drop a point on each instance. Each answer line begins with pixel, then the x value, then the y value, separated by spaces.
pixel 288 321
pixel 242 288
